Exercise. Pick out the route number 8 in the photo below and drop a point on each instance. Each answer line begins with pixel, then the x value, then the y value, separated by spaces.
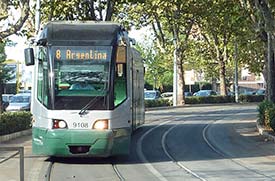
pixel 58 54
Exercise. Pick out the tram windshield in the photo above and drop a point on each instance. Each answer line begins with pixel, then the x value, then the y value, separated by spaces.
pixel 81 73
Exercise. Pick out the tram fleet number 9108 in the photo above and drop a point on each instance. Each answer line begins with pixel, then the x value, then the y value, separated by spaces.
pixel 87 93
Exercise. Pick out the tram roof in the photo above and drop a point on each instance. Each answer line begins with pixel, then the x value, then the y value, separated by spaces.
pixel 80 33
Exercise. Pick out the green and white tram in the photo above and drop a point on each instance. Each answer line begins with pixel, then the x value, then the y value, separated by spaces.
pixel 87 94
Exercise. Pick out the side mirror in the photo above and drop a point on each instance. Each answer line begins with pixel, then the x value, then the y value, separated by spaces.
pixel 29 56
pixel 133 41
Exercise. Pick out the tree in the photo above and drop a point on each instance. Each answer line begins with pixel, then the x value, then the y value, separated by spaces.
pixel 171 22
pixel 261 13
pixel 97 10
pixel 158 71
pixel 267 13
pixel 219 22
pixel 6 73
pixel 8 27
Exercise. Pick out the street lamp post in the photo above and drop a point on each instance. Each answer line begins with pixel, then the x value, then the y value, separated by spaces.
pixel 236 74
pixel 175 75
pixel 37 16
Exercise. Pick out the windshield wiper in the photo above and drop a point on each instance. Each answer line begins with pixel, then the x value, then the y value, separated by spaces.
pixel 87 106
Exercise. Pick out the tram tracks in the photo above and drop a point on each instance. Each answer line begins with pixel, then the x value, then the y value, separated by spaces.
pixel 153 168
pixel 51 167
pixel 119 175
pixel 180 164
pixel 225 155
pixel 49 170
pixel 149 166
pixel 163 143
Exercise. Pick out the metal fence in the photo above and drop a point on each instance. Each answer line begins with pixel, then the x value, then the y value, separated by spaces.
pixel 20 151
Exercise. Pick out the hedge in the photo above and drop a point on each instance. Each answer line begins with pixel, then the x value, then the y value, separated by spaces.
pixel 205 100
pixel 266 114
pixel 158 103
pixel 11 122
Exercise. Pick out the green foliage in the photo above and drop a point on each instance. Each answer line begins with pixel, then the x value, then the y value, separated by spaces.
pixel 6 72
pixel 2 52
pixel 272 118
pixel 266 114
pixel 158 69
pixel 205 100
pixel 13 14
pixel 263 115
pixel 251 98
pixel 157 103
pixel 11 122
pixel 96 10
pixel 210 99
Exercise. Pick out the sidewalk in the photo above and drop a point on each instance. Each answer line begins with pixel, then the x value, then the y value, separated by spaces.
pixel 265 133
pixel 15 135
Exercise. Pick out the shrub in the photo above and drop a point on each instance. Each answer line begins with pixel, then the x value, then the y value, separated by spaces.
pixel 272 119
pixel 269 120
pixel 251 98
pixel 11 122
pixel 205 100
pixel 210 99
pixel 157 103
pixel 263 113
pixel 266 114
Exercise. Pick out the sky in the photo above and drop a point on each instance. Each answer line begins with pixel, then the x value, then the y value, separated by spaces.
pixel 17 52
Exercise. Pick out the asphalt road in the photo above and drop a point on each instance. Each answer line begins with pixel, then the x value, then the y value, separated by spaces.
pixel 191 143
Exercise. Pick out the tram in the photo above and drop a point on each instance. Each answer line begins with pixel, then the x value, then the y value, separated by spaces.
pixel 87 93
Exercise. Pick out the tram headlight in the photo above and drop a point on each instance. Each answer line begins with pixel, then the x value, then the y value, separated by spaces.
pixel 59 124
pixel 101 124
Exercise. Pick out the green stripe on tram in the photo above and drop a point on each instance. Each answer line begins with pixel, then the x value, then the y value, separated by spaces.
pixel 100 143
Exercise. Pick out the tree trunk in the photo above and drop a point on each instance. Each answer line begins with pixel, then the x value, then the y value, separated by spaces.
pixel 221 61
pixel 181 83
pixel 1 92
pixel 109 10
pixel 264 72
pixel 222 78
pixel 270 68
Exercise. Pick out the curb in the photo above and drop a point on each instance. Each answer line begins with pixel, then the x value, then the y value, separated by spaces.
pixel 263 132
pixel 195 105
pixel 15 135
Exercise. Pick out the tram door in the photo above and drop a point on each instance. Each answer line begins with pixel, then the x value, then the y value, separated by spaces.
pixel 137 89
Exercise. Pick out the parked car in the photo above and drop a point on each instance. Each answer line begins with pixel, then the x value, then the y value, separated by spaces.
pixel 151 94
pixel 260 92
pixel 20 102
pixel 7 97
pixel 186 94
pixel 6 100
pixel 248 93
pixel 167 95
pixel 24 91
pixel 205 93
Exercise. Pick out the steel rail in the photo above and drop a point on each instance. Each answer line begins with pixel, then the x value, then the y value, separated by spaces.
pixel 223 154
pixel 169 155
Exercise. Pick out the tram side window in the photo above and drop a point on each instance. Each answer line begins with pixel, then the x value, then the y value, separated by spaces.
pixel 120 84
pixel 42 81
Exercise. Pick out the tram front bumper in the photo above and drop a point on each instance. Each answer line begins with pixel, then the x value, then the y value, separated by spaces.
pixel 77 142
